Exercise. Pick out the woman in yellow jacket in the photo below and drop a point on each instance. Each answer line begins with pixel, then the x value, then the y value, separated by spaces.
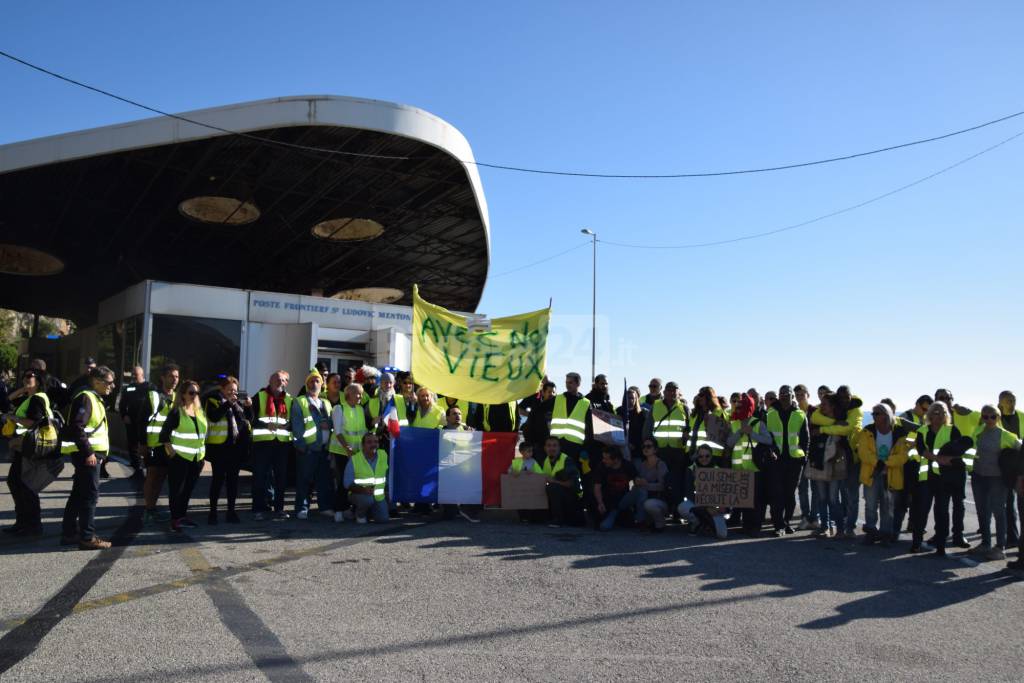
pixel 849 428
pixel 883 451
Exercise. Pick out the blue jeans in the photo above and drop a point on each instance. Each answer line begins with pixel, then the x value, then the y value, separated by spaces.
pixel 849 496
pixel 313 468
pixel 366 506
pixel 990 499
pixel 878 502
pixel 633 500
pixel 830 512
pixel 809 502
pixel 269 474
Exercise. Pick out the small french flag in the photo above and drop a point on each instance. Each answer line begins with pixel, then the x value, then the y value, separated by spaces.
pixel 450 467
pixel 391 418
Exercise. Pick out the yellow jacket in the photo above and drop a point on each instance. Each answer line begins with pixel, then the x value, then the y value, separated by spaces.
pixel 893 465
pixel 854 421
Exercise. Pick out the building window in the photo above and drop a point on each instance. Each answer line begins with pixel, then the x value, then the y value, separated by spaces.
pixel 204 348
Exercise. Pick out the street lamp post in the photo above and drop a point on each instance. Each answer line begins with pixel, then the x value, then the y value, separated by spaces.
pixel 593 309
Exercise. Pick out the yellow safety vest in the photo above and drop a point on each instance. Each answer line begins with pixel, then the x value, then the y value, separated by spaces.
pixel 699 434
pixel 1007 439
pixel 572 428
pixel 22 411
pixel 364 475
pixel 262 431
pixel 96 429
pixel 670 425
pixel 517 466
pixel 159 407
pixel 797 418
pixel 308 423
pixel 432 420
pixel 189 439
pixel 511 406
pixel 743 451
pixel 941 439
pixel 352 431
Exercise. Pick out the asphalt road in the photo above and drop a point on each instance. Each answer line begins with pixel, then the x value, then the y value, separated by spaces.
pixel 433 600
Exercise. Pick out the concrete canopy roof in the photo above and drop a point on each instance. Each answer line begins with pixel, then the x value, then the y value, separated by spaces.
pixel 110 204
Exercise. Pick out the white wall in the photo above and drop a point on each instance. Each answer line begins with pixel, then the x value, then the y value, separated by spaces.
pixel 271 347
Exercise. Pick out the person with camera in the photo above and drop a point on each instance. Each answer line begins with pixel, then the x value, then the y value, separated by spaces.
pixel 226 442
pixel 34 406
pixel 86 438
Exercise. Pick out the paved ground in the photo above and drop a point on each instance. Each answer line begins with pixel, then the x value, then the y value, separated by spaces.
pixel 311 600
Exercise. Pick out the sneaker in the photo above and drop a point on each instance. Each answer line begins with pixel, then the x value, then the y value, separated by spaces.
pixel 302 514
pixel 258 516
pixel 960 542
pixel 232 517
pixel 94 543
pixel 995 554
pixel 281 515
pixel 778 533
pixel 804 525
pixel 187 523
pixel 211 518
pixel 339 517
pixel 468 517
pixel 789 531
pixel 360 520
pixel 980 549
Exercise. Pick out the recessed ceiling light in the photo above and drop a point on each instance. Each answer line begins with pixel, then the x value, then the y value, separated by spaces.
pixel 373 295
pixel 348 230
pixel 18 260
pixel 219 210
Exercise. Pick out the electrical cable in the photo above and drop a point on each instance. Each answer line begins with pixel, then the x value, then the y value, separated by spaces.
pixel 832 214
pixel 543 260
pixel 518 169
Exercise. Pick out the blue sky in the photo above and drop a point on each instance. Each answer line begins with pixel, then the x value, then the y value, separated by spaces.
pixel 916 291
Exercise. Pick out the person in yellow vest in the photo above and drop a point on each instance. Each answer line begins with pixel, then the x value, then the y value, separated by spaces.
pixel 428 414
pixel 525 462
pixel 903 501
pixel 271 445
pixel 846 427
pixel 966 421
pixel 226 442
pixel 183 439
pixel 86 439
pixel 35 406
pixel 668 423
pixel 747 434
pixel 883 449
pixel 494 417
pixel 366 477
pixel 377 405
pixel 467 410
pixel 789 428
pixel 563 487
pixel 311 435
pixel 988 484
pixel 944 475
pixel 807 491
pixel 154 410
pixel 571 422
pixel 349 421
pixel 1012 420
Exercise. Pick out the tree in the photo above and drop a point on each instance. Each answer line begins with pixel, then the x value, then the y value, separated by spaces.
pixel 8 357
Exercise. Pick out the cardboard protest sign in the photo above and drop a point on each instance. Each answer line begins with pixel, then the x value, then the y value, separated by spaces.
pixel 526 491
pixel 717 487
pixel 476 359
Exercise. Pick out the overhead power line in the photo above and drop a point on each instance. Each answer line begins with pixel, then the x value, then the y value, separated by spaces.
pixel 518 169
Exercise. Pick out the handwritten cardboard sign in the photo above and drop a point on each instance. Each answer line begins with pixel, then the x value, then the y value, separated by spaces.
pixel 525 491
pixel 725 488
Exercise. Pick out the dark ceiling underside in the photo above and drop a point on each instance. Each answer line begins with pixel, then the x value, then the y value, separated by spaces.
pixel 114 220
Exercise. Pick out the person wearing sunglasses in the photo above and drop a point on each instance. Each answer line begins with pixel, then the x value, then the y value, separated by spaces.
pixel 86 439
pixel 987 483
pixel 183 439
pixel 35 406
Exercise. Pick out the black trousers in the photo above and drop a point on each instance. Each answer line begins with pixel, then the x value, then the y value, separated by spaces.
pixel 774 475
pixel 1012 503
pixel 182 476
pixel 27 514
pixel 80 510
pixel 676 461
pixel 920 507
pixel 754 518
pixel 226 460
pixel 791 471
pixel 341 502
pixel 945 489
pixel 564 505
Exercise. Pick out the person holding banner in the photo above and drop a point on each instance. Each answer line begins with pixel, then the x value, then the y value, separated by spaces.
pixel 748 433
pixel 598 396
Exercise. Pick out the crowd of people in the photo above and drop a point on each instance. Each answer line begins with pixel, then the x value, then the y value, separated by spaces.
pixel 822 459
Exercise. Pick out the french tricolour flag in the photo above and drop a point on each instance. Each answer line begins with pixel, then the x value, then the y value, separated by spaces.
pixel 445 466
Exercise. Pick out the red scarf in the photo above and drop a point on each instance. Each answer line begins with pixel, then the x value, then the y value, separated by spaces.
pixel 276 405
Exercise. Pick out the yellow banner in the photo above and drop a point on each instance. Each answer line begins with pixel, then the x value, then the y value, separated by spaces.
pixel 475 359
